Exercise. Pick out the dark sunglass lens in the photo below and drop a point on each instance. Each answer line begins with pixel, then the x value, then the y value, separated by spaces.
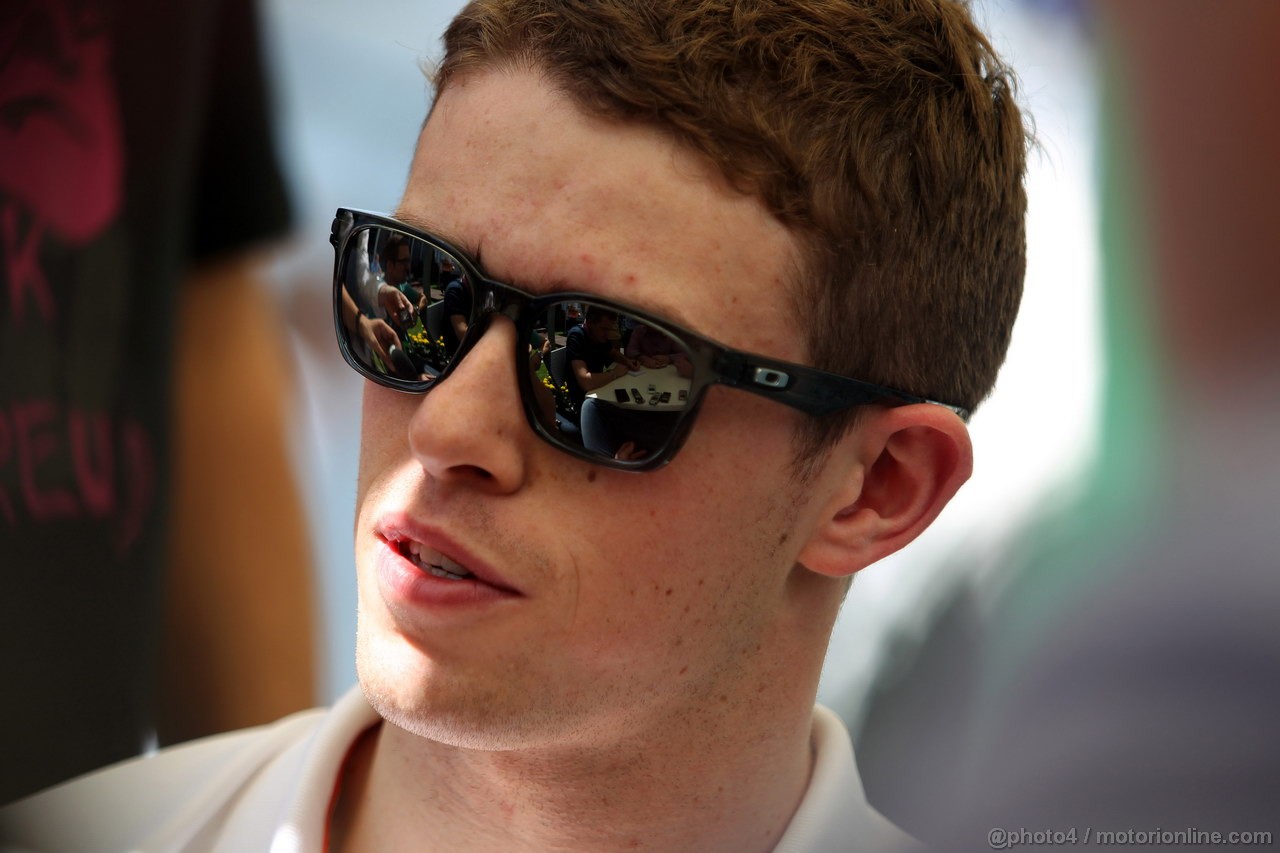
pixel 404 304
pixel 608 381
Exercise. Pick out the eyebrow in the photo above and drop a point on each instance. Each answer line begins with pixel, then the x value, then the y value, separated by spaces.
pixel 558 285
pixel 472 250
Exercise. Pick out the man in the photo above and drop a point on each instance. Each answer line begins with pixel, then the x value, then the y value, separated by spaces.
pixel 644 679
pixel 655 350
pixel 594 357
pixel 457 304
pixel 394 256
pixel 396 259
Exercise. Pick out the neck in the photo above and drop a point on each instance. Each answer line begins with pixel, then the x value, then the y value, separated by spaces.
pixel 705 781
pixel 725 771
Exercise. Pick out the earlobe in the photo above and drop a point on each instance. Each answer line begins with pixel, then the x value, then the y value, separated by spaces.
pixel 906 465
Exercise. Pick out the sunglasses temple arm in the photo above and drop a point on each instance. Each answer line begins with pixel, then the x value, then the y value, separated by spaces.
pixel 812 391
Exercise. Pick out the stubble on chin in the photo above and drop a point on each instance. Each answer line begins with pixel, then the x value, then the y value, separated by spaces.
pixel 469 710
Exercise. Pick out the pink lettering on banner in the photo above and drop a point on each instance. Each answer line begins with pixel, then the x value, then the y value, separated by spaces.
pixel 91 452
pixel 62 163
pixel 62 186
pixel 22 266
pixel 36 443
pixel 64 143
pixel 108 469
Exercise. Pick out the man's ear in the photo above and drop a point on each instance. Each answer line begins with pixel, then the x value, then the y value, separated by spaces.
pixel 896 471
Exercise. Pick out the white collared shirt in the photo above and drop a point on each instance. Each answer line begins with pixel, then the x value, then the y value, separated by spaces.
pixel 269 788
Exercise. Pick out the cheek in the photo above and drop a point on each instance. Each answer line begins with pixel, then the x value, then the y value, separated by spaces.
pixel 697 542
pixel 384 433
pixel 745 442
pixel 741 496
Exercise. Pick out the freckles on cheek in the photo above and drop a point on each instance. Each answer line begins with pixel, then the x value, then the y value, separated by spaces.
pixel 384 431
pixel 384 419
pixel 378 405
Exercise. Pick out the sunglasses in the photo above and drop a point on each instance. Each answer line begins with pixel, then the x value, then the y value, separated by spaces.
pixel 598 379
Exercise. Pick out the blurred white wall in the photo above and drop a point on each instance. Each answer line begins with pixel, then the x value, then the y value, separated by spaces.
pixel 352 99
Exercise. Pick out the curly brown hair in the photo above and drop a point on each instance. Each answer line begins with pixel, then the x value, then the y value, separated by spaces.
pixel 883 133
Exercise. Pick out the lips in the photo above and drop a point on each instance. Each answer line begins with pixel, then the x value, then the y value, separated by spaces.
pixel 431 562
pixel 437 555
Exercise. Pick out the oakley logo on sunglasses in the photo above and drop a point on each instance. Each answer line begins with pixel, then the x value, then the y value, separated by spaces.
pixel 770 378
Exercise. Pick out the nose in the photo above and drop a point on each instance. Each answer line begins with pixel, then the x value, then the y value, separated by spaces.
pixel 471 429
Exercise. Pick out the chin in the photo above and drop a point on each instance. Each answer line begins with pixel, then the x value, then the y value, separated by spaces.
pixel 487 710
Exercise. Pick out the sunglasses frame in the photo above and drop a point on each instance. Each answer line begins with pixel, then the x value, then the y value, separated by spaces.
pixel 808 389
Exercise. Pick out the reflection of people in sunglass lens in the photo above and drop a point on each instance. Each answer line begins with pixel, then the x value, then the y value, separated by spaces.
pixel 394 258
pixel 654 349
pixel 593 355
pixel 457 303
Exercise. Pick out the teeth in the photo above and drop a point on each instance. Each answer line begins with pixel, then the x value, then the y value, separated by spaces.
pixel 435 563
pixel 441 573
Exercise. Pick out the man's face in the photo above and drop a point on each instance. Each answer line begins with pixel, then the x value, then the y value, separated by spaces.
pixel 642 598
pixel 599 326
pixel 398 266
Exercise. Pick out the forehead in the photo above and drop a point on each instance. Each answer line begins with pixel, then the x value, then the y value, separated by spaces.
pixel 554 199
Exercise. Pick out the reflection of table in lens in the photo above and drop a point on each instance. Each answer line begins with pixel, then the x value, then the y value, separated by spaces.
pixel 609 425
pixel 662 380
